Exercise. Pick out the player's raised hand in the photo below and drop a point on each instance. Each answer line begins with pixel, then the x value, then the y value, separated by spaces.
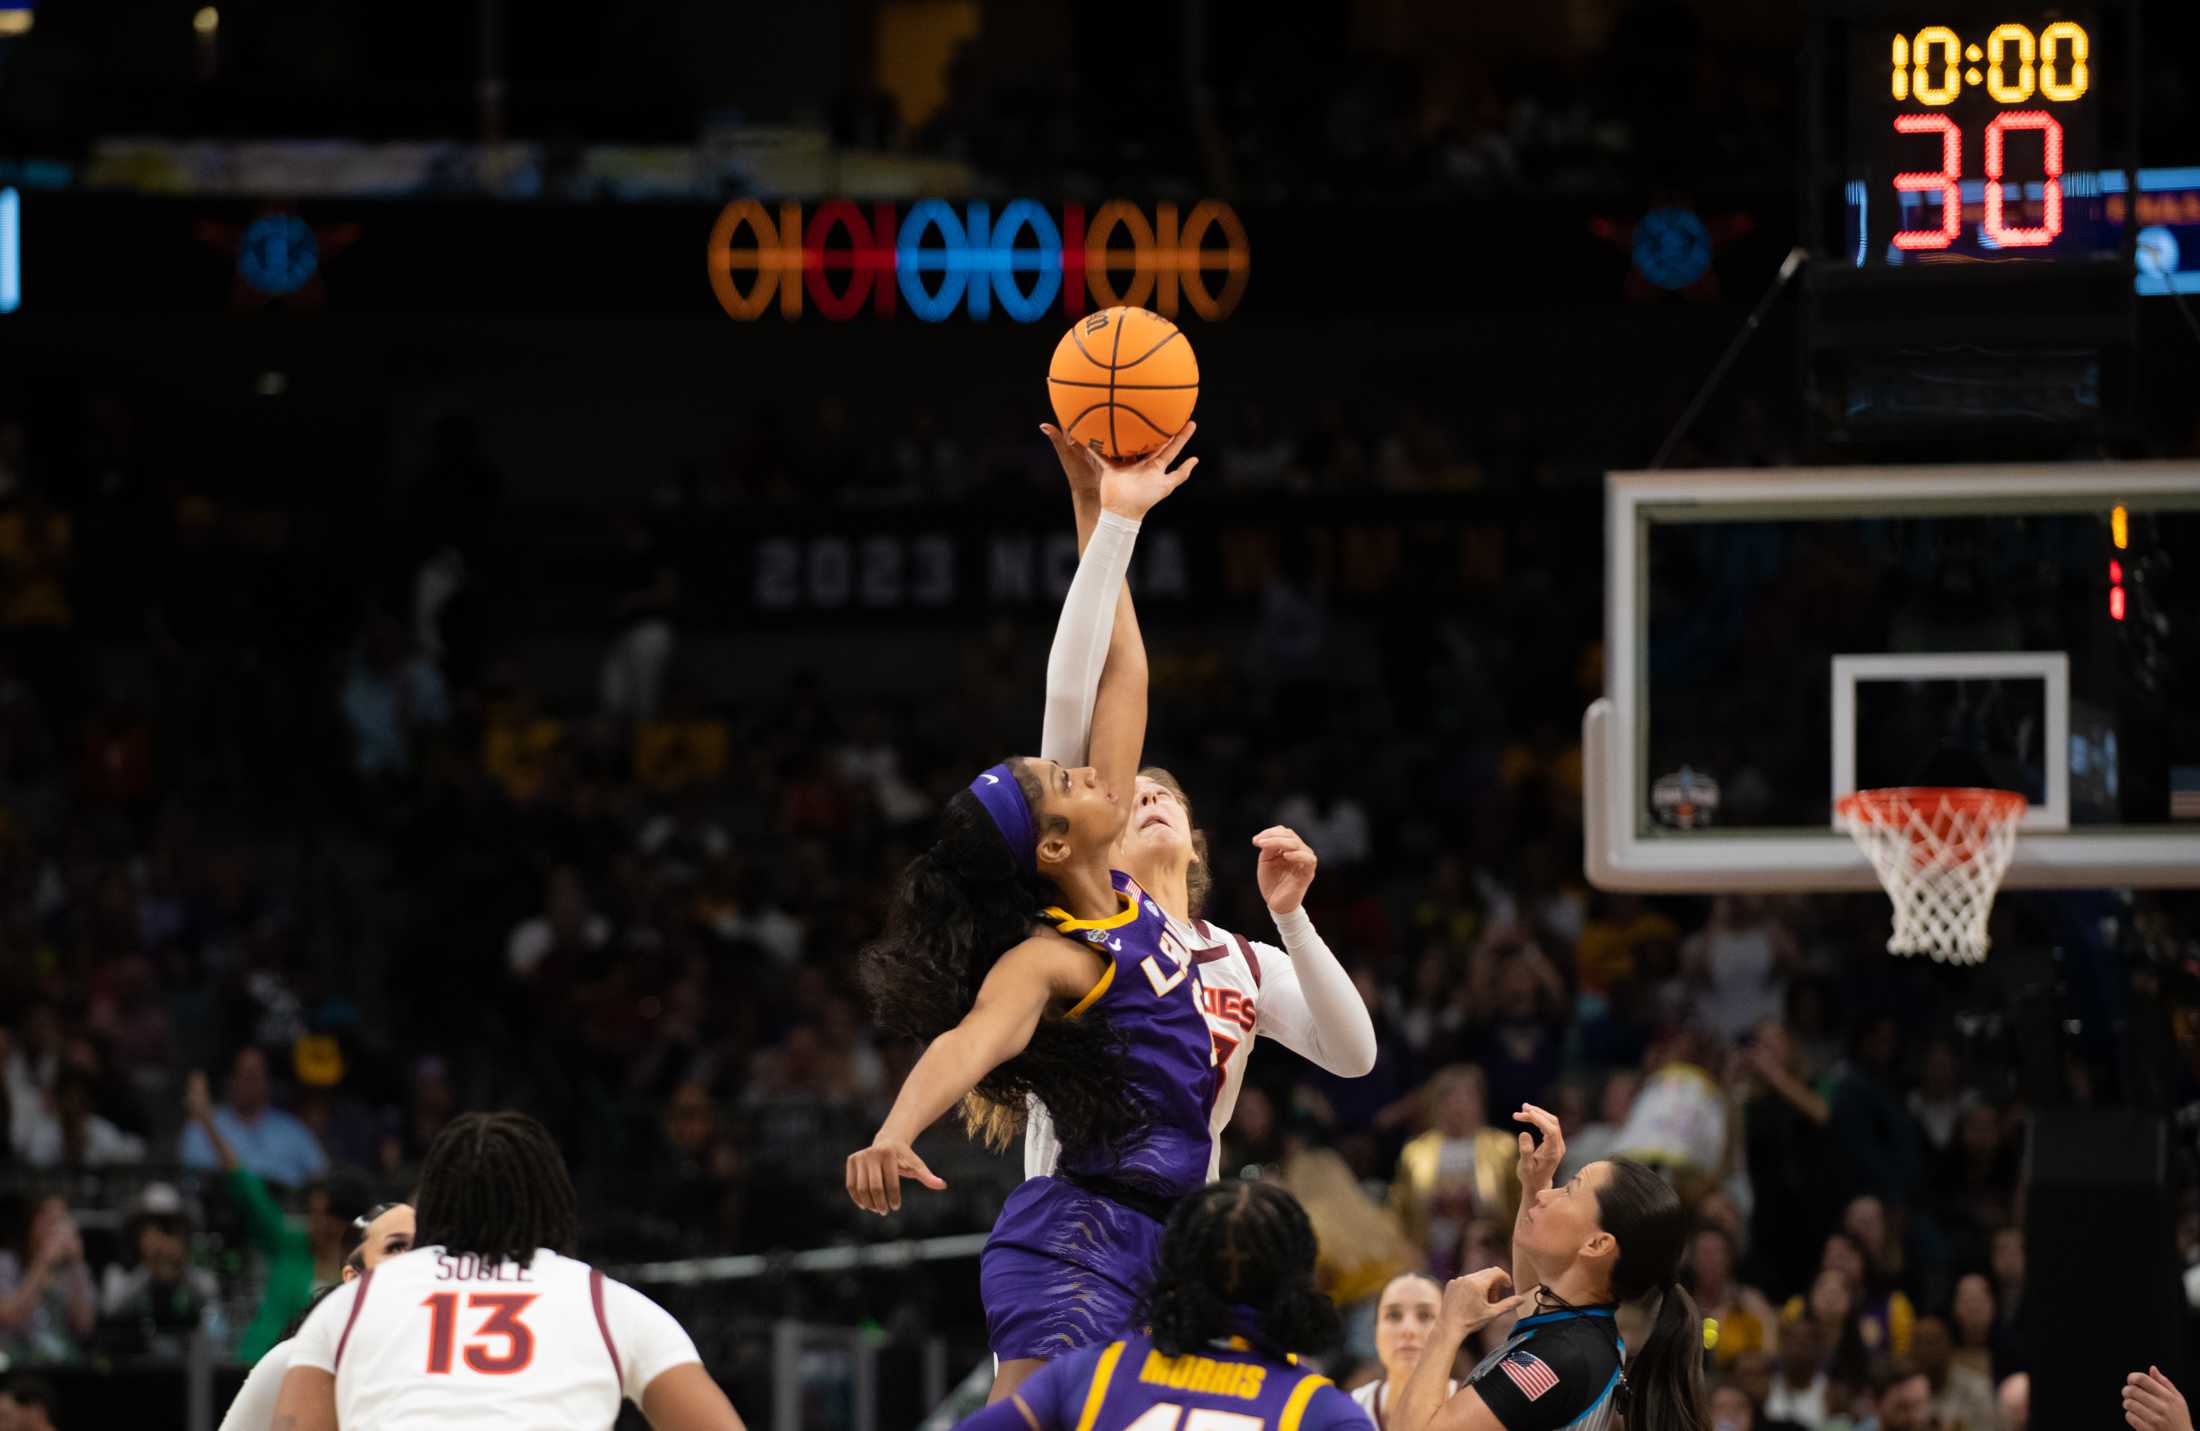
pixel 875 1174
pixel 2151 1403
pixel 1474 1301
pixel 1132 489
pixel 1080 464
pixel 1539 1161
pixel 1285 870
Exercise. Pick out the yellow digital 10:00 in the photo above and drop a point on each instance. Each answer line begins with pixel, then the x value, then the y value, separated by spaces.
pixel 1933 66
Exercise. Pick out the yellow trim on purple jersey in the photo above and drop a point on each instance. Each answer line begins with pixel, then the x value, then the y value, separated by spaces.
pixel 1295 1408
pixel 1103 1372
pixel 1093 994
pixel 1065 924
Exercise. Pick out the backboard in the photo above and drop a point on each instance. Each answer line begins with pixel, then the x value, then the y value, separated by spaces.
pixel 1777 639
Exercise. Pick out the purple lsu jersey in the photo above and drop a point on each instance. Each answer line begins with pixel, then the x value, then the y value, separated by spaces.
pixel 1150 992
pixel 1066 1263
pixel 1128 1383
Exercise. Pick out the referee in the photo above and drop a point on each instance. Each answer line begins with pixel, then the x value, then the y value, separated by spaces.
pixel 1612 1236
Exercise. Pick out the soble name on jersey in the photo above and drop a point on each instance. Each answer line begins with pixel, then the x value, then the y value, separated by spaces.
pixel 1199 1373
pixel 466 1267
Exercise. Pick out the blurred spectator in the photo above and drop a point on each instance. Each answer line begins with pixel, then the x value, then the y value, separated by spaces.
pixel 159 1299
pixel 1608 949
pixel 266 1140
pixel 1460 1171
pixel 1940 1100
pixel 2013 1402
pixel 1865 1221
pixel 1962 1398
pixel 1884 1313
pixel 28 1403
pixel 2009 1299
pixel 633 678
pixel 1742 960
pixel 1431 1012
pixel 1902 1399
pixel 286 1250
pixel 1731 1408
pixel 1679 1121
pixel 1844 1351
pixel 73 1136
pixel 1594 1141
pixel 1745 1319
pixel 47 1304
pixel 391 696
pixel 568 927
pixel 1783 1122
pixel 32 1065
pixel 1878 1140
pixel 1517 1002
pixel 1980 1337
pixel 1798 1391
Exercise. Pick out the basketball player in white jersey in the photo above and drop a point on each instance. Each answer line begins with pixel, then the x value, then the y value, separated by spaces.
pixel 383 1231
pixel 1298 994
pixel 486 1323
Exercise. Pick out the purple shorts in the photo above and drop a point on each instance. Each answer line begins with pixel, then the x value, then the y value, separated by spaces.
pixel 1063 1269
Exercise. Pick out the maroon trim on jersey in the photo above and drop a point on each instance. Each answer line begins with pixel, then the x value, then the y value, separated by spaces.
pixel 603 1324
pixel 360 1300
pixel 1246 948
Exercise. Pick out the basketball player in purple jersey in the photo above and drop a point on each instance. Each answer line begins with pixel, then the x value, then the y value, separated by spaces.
pixel 1231 1305
pixel 1299 994
pixel 1035 970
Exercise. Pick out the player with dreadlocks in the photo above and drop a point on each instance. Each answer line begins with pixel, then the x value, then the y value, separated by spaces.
pixel 489 1321
pixel 1231 1306
pixel 1034 969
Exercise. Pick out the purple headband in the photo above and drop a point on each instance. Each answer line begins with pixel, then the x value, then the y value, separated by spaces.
pixel 1003 797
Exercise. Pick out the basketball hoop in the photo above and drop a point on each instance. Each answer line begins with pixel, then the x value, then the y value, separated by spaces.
pixel 1941 854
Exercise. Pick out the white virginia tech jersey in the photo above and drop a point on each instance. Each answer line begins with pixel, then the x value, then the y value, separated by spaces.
pixel 1249 990
pixel 432 1339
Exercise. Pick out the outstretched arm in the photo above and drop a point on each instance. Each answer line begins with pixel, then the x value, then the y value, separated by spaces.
pixel 1096 680
pixel 1310 1006
pixel 1010 1002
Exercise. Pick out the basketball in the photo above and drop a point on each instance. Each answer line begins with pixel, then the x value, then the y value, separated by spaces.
pixel 1123 381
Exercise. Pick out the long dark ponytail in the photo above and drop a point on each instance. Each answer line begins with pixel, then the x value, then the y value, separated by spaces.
pixel 1665 1377
pixel 960 905
pixel 1238 1258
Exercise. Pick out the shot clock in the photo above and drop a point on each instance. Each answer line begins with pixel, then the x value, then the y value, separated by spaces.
pixel 1977 139
pixel 1966 173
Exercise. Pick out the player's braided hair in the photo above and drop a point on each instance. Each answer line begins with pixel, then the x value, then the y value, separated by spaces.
pixel 1238 1257
pixel 961 905
pixel 495 1185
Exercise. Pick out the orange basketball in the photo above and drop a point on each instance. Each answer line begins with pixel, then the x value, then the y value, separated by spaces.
pixel 1123 381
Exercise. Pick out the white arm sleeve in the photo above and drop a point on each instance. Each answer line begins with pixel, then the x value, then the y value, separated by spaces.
pixel 254 1408
pixel 650 1342
pixel 1308 1004
pixel 1081 640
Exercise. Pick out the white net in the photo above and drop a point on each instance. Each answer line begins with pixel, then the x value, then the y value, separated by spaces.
pixel 1941 855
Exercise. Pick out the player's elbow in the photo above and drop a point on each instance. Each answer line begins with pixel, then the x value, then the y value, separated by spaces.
pixel 1357 1059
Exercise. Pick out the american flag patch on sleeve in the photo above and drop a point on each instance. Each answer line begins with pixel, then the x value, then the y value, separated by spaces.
pixel 1529 1373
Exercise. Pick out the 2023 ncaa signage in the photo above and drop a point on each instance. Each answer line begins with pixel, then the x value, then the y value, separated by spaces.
pixel 935 259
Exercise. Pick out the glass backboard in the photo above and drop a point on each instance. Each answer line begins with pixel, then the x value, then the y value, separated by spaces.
pixel 1778 639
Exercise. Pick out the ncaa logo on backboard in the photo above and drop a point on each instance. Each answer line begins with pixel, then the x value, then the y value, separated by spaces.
pixel 1685 799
